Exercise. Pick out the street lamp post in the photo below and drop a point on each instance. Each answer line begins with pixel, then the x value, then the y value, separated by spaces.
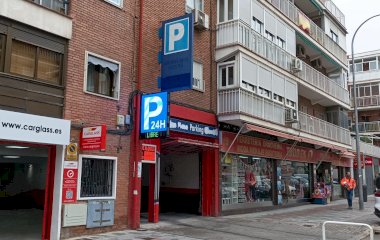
pixel 360 171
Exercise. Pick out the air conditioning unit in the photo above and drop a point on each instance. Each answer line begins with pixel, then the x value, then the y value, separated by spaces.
pixel 291 115
pixel 201 20
pixel 296 65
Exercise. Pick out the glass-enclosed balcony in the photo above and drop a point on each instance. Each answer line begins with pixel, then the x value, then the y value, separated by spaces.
pixel 308 26
pixel 367 127
pixel 367 102
pixel 237 32
pixel 241 101
pixel 56 5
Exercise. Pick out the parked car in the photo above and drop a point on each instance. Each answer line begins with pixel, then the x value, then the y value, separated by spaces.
pixel 377 197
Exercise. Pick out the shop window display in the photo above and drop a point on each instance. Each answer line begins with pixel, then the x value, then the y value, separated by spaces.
pixel 293 181
pixel 337 175
pixel 246 179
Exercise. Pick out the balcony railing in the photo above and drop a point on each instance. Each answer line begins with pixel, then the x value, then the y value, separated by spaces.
pixel 334 10
pixel 370 101
pixel 308 26
pixel 56 5
pixel 323 129
pixel 237 32
pixel 367 149
pixel 245 102
pixel 240 101
pixel 367 127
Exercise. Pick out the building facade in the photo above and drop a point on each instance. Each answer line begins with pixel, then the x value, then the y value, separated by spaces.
pixel 67 71
pixel 282 102
pixel 265 124
pixel 367 75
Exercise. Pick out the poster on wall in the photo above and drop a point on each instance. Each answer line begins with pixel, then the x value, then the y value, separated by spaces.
pixel 70 180
pixel 148 153
pixel 72 152
pixel 93 138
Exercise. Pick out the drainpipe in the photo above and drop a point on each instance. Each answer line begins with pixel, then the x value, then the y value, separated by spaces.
pixel 135 153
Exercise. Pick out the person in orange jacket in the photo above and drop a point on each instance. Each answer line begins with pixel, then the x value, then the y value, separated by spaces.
pixel 349 184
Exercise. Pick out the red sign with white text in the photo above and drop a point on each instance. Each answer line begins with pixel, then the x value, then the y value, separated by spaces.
pixel 148 153
pixel 264 148
pixel 70 180
pixel 368 161
pixel 93 138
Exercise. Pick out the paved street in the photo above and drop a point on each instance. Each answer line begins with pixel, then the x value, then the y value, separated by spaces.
pixel 299 223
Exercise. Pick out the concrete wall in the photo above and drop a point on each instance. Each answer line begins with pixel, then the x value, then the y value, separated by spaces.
pixel 180 171
pixel 37 16
pixel 315 110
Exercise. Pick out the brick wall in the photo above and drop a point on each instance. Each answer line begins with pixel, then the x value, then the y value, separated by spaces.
pixel 306 106
pixel 112 32
pixel 204 42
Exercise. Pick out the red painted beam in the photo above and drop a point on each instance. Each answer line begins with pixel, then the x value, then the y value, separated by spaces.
pixel 192 115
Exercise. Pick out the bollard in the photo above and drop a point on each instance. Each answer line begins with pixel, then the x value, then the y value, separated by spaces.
pixel 365 194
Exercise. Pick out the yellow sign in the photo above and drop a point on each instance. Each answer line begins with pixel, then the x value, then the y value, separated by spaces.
pixel 72 152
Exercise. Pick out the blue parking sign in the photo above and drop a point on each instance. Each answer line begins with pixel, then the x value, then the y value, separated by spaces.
pixel 154 112
pixel 176 36
pixel 177 54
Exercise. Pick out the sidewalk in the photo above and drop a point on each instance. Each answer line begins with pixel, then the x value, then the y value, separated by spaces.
pixel 297 223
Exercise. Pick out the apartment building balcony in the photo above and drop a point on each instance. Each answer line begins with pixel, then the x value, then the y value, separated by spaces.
pixel 47 15
pixel 368 103
pixel 367 149
pixel 334 10
pixel 233 104
pixel 309 27
pixel 368 127
pixel 237 32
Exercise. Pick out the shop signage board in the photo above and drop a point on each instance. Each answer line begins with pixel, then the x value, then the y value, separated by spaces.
pixel 177 56
pixel 154 113
pixel 264 148
pixel 93 138
pixel 148 153
pixel 367 162
pixel 70 181
pixel 32 128
pixel 72 152
pixel 178 125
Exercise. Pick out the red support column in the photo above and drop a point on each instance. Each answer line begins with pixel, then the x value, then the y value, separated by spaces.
pixel 135 182
pixel 152 209
pixel 210 183
pixel 153 203
pixel 216 207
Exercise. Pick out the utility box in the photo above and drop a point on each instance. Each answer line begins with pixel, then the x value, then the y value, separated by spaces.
pixel 100 213
pixel 74 215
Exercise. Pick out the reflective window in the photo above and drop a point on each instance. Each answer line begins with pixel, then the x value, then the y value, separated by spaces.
pixel 293 181
pixel 246 179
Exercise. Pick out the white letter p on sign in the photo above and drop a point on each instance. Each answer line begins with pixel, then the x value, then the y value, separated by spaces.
pixel 176 32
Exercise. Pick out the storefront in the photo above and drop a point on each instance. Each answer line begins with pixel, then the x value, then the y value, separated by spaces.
pixel 263 173
pixel 31 175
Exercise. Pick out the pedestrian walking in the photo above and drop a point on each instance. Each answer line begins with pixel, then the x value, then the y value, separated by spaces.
pixel 349 184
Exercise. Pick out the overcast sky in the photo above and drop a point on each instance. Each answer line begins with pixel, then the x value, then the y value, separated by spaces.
pixel 356 11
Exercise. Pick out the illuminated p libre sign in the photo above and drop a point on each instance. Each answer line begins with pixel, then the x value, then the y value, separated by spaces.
pixel 154 113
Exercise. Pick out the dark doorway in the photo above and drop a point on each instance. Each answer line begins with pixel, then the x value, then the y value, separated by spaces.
pixel 23 175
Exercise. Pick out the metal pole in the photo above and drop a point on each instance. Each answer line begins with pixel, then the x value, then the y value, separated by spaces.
pixel 229 148
pixel 360 171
